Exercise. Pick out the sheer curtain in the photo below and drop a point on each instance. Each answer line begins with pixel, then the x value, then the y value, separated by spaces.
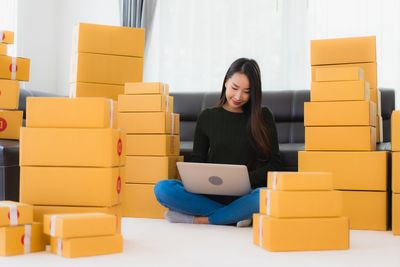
pixel 8 20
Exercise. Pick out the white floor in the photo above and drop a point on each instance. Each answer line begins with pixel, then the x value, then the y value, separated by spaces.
pixel 158 243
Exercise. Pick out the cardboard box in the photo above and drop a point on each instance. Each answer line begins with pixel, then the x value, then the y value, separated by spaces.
pixel 350 170
pixel 339 74
pixel 79 225
pixel 40 211
pixel 10 123
pixel 340 91
pixel 300 204
pixel 366 210
pixel 370 71
pixel 150 170
pixel 62 112
pixel 87 246
pixel 71 147
pixel 14 68
pixel 9 94
pixel 112 91
pixel 149 122
pixel 376 98
pixel 343 50
pixel 396 214
pixel 146 89
pixel 395 130
pixel 340 138
pixel 396 172
pixel 152 145
pixel 112 40
pixel 6 37
pixel 15 213
pixel 3 49
pixel 23 239
pixel 145 103
pixel 107 69
pixel 300 181
pixel 379 129
pixel 140 201
pixel 300 234
pixel 344 113
pixel 71 186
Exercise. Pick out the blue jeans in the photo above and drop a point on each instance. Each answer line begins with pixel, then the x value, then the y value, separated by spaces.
pixel 172 194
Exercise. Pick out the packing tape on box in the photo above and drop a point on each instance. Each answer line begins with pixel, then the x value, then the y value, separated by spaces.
pixel 53 219
pixel 172 124
pixel 268 202
pixel 164 88
pixel 2 35
pixel 27 238
pixel 274 180
pixel 59 246
pixel 260 231
pixel 12 213
pixel 167 103
pixel 13 68
pixel 111 113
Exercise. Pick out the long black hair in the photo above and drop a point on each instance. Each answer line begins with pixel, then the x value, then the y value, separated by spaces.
pixel 258 132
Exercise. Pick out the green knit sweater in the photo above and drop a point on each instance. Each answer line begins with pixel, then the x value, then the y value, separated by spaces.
pixel 223 137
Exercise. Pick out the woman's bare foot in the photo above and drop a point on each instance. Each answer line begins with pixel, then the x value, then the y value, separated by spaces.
pixel 201 220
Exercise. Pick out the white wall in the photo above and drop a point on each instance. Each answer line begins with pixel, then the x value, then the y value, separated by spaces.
pixel 45 36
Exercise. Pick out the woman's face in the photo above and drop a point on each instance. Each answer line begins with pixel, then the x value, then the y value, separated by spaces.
pixel 237 92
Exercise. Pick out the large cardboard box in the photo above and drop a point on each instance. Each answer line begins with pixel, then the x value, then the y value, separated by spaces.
pixel 300 181
pixel 9 94
pixel 340 91
pixel 107 69
pixel 152 145
pixel 300 234
pixel 140 201
pixel 3 49
pixel 14 68
pixel 71 147
pixel 79 89
pixel 343 113
pixel 23 239
pixel 10 123
pixel 61 112
pixel 396 172
pixel 396 214
pixel 112 40
pixel 300 204
pixel 351 170
pixel 146 89
pixel 40 211
pixel 87 246
pixel 6 37
pixel 339 74
pixel 149 122
pixel 145 103
pixel 79 225
pixel 71 186
pixel 150 170
pixel 370 71
pixel 366 210
pixel 343 50
pixel 395 130
pixel 15 213
pixel 340 138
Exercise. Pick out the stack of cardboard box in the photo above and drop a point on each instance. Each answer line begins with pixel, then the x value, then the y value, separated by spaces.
pixel 152 148
pixel 18 233
pixel 71 156
pixel 395 134
pixel 12 70
pixel 104 59
pixel 300 211
pixel 341 122
pixel 79 235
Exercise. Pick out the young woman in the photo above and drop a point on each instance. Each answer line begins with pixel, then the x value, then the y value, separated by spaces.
pixel 237 131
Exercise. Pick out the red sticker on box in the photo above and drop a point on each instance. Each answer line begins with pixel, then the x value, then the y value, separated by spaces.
pixel 119 147
pixel 3 124
pixel 11 68
pixel 22 239
pixel 119 184
pixel 8 214
pixel 3 37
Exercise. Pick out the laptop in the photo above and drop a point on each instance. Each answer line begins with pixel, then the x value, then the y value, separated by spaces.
pixel 214 179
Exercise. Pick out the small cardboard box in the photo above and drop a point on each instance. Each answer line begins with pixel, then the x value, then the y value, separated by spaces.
pixel 351 170
pixel 149 122
pixel 6 37
pixel 145 103
pixel 15 213
pixel 10 124
pixel 79 89
pixel 300 234
pixel 340 91
pixel 396 214
pixel 12 68
pixel 9 94
pixel 300 181
pixel 146 89
pixel 3 49
pixel 152 145
pixel 340 138
pixel 339 74
pixel 395 130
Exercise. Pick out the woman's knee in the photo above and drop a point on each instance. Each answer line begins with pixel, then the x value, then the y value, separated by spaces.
pixel 164 189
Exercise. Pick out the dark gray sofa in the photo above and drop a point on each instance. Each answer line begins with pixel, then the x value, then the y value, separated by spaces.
pixel 288 109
